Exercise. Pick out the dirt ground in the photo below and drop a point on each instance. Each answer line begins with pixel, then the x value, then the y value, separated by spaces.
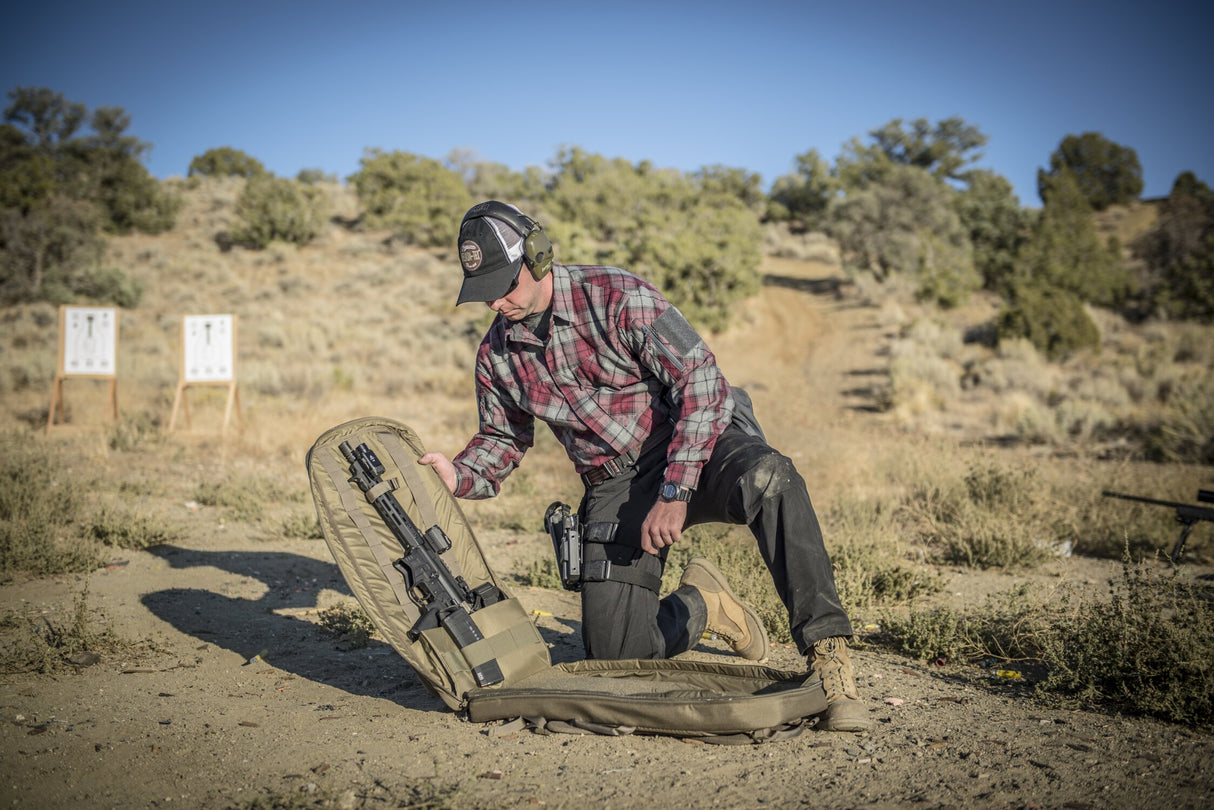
pixel 242 701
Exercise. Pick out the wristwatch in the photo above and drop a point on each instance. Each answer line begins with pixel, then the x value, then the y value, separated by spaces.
pixel 671 491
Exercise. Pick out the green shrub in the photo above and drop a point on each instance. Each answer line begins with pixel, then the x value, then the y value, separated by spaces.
pixel 135 200
pixel 1106 173
pixel 226 162
pixel 245 496
pixel 419 199
pixel 863 541
pixel 1009 627
pixel 121 529
pixel 109 284
pixel 271 208
pixel 42 508
pixel 347 622
pixel 61 188
pixel 702 255
pixel 945 274
pixel 541 573
pixel 1185 430
pixel 743 185
pixel 486 180
pixel 134 432
pixel 1064 251
pixel 47 524
pixel 902 221
pixel 804 194
pixel 58 642
pixel 944 149
pixel 994 518
pixel 302 527
pixel 48 250
pixel 1178 252
pixel 311 177
pixel 1148 649
pixel 1052 319
pixel 691 235
pixel 997 225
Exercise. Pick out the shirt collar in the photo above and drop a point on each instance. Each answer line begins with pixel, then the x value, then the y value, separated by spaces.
pixel 562 294
pixel 519 333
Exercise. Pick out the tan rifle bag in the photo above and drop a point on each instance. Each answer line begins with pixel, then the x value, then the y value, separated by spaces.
pixel 716 701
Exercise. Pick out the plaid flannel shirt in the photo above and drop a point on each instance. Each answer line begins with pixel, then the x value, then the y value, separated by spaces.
pixel 618 358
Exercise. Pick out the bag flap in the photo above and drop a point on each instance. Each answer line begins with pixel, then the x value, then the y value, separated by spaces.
pixel 364 548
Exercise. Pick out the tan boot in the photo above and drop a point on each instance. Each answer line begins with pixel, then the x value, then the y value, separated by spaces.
pixel 844 711
pixel 728 617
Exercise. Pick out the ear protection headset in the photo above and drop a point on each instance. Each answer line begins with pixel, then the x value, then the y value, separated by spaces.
pixel 537 247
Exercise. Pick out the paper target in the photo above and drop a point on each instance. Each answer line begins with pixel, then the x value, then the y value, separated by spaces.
pixel 209 348
pixel 90 341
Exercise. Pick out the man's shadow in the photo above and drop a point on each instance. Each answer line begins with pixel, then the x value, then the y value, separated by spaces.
pixel 249 627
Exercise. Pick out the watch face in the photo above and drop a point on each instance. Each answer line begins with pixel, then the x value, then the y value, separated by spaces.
pixel 673 492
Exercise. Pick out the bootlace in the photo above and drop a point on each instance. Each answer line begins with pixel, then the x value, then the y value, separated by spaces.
pixel 831 664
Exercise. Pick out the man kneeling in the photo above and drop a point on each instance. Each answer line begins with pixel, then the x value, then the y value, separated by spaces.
pixel 662 442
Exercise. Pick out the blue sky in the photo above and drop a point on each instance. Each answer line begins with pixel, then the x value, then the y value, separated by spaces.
pixel 309 84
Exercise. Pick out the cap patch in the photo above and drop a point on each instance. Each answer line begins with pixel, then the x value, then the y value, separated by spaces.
pixel 470 256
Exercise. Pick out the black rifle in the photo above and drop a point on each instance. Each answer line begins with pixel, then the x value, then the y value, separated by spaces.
pixel 1187 515
pixel 439 594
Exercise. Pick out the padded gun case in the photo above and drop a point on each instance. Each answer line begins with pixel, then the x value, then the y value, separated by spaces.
pixel 387 520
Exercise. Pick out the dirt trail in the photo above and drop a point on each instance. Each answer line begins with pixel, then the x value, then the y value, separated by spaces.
pixel 797 342
pixel 204 721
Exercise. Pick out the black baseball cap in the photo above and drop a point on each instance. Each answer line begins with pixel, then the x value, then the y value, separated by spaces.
pixel 491 254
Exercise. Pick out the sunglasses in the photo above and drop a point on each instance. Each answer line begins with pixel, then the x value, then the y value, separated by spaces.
pixel 513 284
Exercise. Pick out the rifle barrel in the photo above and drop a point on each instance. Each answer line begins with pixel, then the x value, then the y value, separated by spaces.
pixel 1110 494
pixel 1185 512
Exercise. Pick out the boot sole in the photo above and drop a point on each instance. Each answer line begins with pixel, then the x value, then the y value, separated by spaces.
pixel 845 715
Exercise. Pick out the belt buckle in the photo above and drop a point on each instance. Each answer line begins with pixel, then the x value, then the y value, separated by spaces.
pixel 607 470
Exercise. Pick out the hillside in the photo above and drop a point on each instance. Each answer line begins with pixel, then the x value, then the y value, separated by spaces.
pixel 216 685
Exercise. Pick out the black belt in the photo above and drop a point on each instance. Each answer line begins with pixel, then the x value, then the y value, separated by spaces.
pixel 623 462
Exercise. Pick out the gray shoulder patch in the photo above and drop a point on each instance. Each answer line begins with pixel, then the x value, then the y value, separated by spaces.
pixel 673 328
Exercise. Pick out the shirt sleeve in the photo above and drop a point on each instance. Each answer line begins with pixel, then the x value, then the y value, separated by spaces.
pixel 669 347
pixel 506 433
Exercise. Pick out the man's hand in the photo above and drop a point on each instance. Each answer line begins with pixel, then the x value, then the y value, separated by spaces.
pixel 663 526
pixel 442 466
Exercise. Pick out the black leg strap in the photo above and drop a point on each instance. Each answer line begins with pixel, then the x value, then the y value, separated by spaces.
pixel 604 571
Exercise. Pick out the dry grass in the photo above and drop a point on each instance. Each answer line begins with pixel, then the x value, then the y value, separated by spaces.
pixel 1149 391
pixel 779 240
pixel 991 457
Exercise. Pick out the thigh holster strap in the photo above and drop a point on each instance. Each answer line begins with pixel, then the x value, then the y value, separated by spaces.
pixel 605 571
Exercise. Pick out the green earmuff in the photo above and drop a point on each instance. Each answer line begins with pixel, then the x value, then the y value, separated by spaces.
pixel 537 247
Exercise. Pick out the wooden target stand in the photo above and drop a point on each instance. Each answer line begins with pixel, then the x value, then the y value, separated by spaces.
pixel 88 349
pixel 208 358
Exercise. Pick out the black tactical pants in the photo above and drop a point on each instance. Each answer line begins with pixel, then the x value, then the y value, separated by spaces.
pixel 745 482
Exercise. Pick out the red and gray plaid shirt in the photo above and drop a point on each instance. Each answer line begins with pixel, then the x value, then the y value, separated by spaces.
pixel 618 358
